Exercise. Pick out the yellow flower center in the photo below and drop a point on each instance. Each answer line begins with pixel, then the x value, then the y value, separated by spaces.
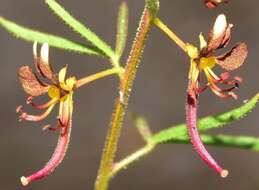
pixel 54 92
pixel 207 62
pixel 67 85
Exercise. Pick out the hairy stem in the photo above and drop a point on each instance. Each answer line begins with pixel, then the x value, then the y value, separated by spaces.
pixel 126 83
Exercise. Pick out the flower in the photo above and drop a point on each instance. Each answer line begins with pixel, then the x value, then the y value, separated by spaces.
pixel 60 90
pixel 204 59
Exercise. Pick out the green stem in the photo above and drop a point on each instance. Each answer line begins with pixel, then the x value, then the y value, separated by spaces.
pixel 126 83
pixel 132 158
pixel 241 142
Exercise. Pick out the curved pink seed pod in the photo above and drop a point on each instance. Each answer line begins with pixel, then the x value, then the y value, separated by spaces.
pixel 191 121
pixel 58 154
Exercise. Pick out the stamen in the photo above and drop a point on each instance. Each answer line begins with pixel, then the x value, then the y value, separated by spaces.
pixel 219 92
pixel 238 79
pixel 19 109
pixel 213 79
pixel 49 127
pixel 211 5
pixel 29 99
pixel 45 105
pixel 209 73
pixel 202 89
pixel 235 82
pixel 25 116
pixel 45 127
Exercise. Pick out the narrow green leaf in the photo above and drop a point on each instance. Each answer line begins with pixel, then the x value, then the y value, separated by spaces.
pixel 242 142
pixel 122 29
pixel 207 123
pixel 80 28
pixel 54 41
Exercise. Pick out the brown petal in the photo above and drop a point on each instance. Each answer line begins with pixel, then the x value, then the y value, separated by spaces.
pixel 234 58
pixel 42 62
pixel 226 39
pixel 30 83
pixel 45 69
pixel 219 35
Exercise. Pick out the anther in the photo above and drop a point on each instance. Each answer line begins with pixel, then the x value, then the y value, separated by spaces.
pixel 29 100
pixel 19 109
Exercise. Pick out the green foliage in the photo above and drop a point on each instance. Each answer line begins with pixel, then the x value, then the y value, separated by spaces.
pixel 242 142
pixel 55 41
pixel 206 123
pixel 80 28
pixel 122 29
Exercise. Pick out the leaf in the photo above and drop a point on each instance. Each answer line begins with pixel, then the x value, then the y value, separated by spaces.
pixel 80 28
pixel 242 142
pixel 55 41
pixel 206 123
pixel 122 29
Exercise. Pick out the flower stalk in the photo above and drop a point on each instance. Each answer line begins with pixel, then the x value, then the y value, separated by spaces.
pixel 96 76
pixel 126 83
pixel 170 34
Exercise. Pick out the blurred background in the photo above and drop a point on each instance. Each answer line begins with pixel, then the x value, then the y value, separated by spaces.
pixel 158 94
